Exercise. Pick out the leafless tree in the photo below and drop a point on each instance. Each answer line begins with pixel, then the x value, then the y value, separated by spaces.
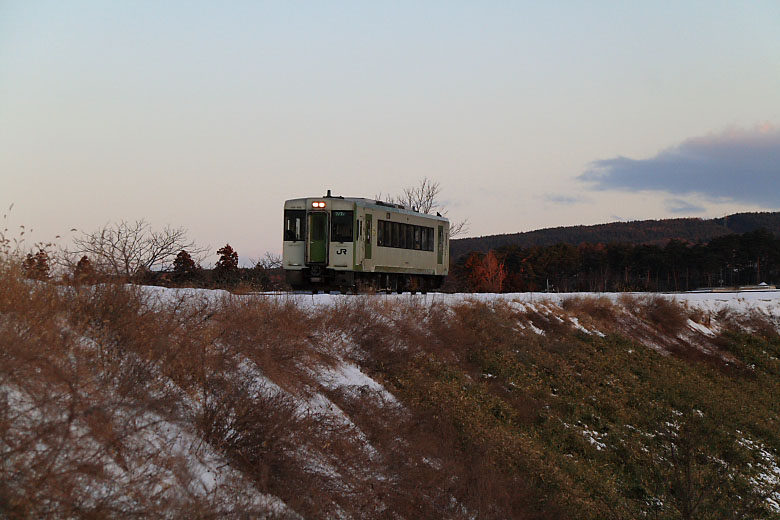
pixel 424 197
pixel 125 248
pixel 269 261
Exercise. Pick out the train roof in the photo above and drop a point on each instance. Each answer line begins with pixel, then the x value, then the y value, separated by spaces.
pixel 372 203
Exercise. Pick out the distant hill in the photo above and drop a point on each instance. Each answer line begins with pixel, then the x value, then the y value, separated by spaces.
pixel 636 232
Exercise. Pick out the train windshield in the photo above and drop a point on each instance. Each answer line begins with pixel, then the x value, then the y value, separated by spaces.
pixel 342 226
pixel 294 224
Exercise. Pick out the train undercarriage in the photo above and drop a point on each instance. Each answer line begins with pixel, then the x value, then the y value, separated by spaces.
pixel 316 278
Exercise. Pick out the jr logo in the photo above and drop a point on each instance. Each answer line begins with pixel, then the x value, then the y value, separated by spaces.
pixel 341 251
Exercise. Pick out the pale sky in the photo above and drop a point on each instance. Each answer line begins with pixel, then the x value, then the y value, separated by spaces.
pixel 208 115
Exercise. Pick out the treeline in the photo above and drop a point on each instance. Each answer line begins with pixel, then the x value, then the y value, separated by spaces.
pixel 136 252
pixel 265 275
pixel 726 261
pixel 690 230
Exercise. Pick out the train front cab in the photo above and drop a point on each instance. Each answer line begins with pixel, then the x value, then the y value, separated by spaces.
pixel 318 243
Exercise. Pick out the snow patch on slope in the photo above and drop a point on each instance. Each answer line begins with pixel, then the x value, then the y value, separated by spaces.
pixel 349 375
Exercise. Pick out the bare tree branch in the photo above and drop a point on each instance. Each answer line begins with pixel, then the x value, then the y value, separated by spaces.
pixel 459 227
pixel 425 198
pixel 269 261
pixel 124 248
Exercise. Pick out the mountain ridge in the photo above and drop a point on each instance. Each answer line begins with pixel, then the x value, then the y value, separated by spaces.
pixel 660 231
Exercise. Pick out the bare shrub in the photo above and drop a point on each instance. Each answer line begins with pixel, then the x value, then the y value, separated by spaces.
pixel 629 302
pixel 760 323
pixel 488 325
pixel 666 313
pixel 599 308
pixel 276 336
pixel 368 325
pixel 89 426
pixel 258 432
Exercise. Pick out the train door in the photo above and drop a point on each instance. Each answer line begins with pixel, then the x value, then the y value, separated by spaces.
pixel 369 219
pixel 440 248
pixel 360 243
pixel 317 242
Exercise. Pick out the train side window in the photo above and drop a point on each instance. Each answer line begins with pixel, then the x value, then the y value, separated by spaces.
pixel 341 230
pixel 404 236
pixel 388 233
pixel 294 224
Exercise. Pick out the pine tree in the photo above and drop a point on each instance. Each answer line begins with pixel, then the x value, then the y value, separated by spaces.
pixel 183 264
pixel 36 266
pixel 228 259
pixel 83 269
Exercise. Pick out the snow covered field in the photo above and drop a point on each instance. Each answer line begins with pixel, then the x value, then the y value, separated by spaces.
pixel 767 302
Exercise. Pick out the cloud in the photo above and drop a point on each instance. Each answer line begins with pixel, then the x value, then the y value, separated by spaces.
pixel 563 199
pixel 681 206
pixel 736 165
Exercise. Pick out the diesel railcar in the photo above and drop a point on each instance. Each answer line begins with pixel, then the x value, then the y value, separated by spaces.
pixel 354 244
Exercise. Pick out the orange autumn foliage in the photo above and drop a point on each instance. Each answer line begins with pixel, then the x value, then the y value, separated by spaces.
pixel 486 272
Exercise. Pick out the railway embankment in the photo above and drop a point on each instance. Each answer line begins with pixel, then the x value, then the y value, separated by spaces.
pixel 121 400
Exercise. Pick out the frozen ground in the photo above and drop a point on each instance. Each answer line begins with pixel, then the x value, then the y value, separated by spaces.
pixel 767 302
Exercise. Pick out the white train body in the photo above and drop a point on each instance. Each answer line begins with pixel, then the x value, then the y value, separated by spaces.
pixel 352 243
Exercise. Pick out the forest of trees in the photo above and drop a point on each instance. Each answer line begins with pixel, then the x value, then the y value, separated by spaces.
pixel 638 232
pixel 729 260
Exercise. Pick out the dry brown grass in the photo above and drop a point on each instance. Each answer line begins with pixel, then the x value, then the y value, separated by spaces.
pixel 664 313
pixel 426 469
pixel 94 406
pixel 432 459
pixel 237 376
pixel 756 322
pixel 92 377
pixel 62 420
pixel 598 308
